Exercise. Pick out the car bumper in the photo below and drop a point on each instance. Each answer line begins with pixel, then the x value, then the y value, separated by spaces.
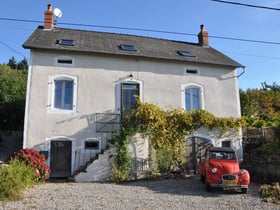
pixel 228 186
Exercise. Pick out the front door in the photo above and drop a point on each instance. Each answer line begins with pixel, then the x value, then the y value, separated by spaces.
pixel 128 100
pixel 60 158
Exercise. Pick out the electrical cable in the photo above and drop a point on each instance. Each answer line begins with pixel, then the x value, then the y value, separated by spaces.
pixel 148 30
pixel 247 5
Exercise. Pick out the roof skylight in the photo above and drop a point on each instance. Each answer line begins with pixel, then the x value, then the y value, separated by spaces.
pixel 127 47
pixel 67 42
pixel 185 53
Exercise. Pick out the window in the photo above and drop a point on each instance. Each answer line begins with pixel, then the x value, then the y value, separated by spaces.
pixel 192 97
pixel 62 93
pixel 226 143
pixel 127 47
pixel 191 71
pixel 66 42
pixel 91 145
pixel 64 61
pixel 185 53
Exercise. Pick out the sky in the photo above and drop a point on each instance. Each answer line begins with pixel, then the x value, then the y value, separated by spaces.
pixel 181 18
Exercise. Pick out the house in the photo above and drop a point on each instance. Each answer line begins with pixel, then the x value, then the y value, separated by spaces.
pixel 81 81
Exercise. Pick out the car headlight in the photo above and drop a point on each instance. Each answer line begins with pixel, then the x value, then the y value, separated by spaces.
pixel 243 171
pixel 214 170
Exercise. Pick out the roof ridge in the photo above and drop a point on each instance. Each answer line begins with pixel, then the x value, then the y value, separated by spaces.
pixel 124 34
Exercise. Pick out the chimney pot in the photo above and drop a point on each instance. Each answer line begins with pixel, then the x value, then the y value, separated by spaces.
pixel 49 20
pixel 203 36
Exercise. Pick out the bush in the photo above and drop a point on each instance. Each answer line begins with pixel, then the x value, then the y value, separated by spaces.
pixel 36 160
pixel 164 160
pixel 271 193
pixel 14 178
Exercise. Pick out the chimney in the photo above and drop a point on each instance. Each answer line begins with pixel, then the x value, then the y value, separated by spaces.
pixel 49 22
pixel 203 37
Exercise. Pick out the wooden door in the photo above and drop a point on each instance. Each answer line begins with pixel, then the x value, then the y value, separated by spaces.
pixel 60 158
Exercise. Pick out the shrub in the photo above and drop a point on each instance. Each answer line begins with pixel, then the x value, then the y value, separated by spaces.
pixel 164 160
pixel 36 160
pixel 14 178
pixel 271 193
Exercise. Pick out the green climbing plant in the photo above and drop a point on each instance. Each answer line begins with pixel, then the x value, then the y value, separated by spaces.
pixel 166 130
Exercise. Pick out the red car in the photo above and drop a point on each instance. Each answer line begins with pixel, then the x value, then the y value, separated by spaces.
pixel 220 168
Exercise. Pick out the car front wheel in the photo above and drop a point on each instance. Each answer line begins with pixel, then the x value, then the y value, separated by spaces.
pixel 244 190
pixel 207 186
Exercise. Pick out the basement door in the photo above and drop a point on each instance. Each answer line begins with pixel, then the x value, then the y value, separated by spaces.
pixel 60 158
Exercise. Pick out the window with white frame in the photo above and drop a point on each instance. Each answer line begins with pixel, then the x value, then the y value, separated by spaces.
pixel 192 97
pixel 128 89
pixel 64 61
pixel 62 93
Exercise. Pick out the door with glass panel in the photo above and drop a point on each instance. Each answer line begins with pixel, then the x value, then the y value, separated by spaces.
pixel 129 92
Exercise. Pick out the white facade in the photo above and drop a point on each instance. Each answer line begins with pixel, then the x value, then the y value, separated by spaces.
pixel 97 82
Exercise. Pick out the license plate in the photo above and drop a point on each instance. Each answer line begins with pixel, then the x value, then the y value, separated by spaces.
pixel 229 182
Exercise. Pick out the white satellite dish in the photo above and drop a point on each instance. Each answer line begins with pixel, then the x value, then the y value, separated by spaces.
pixel 57 13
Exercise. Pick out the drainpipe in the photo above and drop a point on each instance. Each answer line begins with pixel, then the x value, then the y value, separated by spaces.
pixel 243 71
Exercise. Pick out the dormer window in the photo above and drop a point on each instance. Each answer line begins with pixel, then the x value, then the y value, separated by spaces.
pixel 66 42
pixel 128 47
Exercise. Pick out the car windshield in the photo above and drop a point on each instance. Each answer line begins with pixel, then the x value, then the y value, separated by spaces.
pixel 221 155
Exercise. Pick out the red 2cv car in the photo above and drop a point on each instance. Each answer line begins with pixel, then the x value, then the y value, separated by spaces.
pixel 220 168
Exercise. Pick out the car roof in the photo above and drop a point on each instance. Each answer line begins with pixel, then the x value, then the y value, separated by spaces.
pixel 221 149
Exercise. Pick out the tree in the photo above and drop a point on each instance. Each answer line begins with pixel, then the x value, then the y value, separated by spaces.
pixel 12 98
pixel 23 65
pixel 12 63
pixel 261 107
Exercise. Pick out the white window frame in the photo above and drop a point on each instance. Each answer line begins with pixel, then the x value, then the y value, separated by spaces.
pixel 129 80
pixel 51 94
pixel 201 94
pixel 191 68
pixel 91 139
pixel 64 57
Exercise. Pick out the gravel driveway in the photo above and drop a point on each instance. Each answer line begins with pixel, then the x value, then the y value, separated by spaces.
pixel 186 193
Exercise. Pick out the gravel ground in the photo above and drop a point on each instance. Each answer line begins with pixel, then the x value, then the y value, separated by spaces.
pixel 186 193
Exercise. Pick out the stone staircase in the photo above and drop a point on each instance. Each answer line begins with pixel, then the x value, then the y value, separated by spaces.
pixel 99 170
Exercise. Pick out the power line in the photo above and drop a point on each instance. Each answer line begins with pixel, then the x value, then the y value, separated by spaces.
pixel 12 49
pixel 247 5
pixel 148 30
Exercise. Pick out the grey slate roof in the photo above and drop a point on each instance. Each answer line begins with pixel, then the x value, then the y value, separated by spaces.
pixel 109 43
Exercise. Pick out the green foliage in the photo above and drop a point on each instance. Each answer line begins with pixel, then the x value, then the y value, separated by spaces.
pixel 272 148
pixel 167 130
pixel 12 98
pixel 22 65
pixel 14 178
pixel 122 166
pixel 271 193
pixel 164 160
pixel 35 160
pixel 261 107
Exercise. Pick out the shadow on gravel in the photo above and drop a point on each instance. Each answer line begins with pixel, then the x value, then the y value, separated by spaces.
pixel 191 186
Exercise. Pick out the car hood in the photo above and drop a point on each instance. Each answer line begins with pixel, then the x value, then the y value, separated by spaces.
pixel 225 167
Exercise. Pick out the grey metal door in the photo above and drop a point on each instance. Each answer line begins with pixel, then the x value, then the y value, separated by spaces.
pixel 60 158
